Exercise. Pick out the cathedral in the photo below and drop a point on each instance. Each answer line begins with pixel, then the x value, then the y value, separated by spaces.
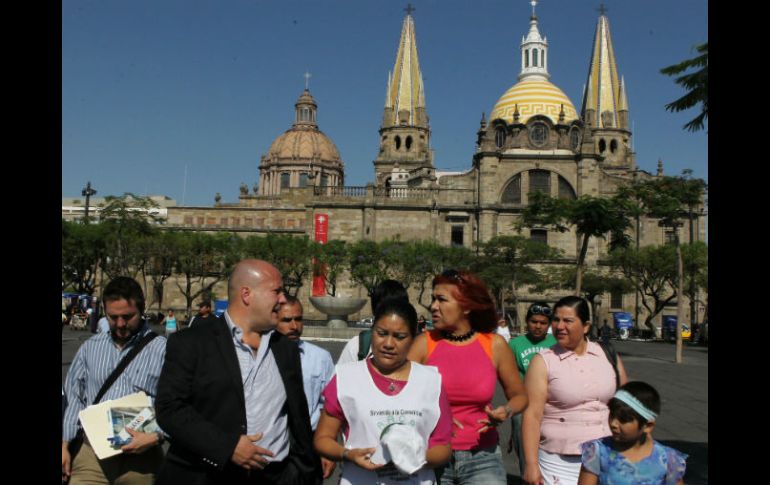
pixel 534 139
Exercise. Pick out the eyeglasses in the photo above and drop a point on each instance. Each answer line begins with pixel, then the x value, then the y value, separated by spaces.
pixel 453 273
pixel 540 310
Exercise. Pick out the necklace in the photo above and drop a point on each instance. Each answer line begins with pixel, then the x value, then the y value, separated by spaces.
pixel 457 338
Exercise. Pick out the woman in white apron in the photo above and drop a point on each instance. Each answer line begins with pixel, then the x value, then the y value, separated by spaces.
pixel 383 394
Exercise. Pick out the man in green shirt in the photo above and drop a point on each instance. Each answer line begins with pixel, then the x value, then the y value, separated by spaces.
pixel 524 348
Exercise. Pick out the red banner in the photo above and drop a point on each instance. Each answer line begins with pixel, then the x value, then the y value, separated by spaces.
pixel 321 228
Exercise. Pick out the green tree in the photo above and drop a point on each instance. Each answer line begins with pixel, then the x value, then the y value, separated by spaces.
pixel 367 265
pixel 330 261
pixel 652 271
pixel 505 263
pixel 83 253
pixel 595 284
pixel 162 252
pixel 697 85
pixel 202 262
pixel 292 256
pixel 127 219
pixel 670 200
pixel 590 216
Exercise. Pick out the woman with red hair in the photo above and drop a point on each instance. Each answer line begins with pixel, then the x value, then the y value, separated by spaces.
pixel 471 358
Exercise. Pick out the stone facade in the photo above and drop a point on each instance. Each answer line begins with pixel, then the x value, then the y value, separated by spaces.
pixel 530 144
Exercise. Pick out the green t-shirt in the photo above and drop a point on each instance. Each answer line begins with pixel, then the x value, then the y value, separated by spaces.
pixel 524 349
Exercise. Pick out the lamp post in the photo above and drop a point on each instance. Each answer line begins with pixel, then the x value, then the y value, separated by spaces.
pixel 87 193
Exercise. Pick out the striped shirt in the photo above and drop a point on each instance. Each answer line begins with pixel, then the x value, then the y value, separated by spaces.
pixel 93 364
pixel 264 393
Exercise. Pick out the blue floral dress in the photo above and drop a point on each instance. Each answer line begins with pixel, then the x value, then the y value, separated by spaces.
pixel 664 465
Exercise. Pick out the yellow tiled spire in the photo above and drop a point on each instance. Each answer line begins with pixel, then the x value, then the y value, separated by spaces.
pixel 405 88
pixel 603 93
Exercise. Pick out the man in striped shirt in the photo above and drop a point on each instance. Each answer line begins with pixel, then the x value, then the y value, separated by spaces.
pixel 94 362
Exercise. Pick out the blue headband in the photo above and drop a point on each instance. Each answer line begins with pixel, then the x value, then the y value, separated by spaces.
pixel 635 404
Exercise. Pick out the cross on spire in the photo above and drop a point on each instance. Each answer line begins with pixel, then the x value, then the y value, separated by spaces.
pixel 534 4
pixel 602 9
pixel 307 78
pixel 409 9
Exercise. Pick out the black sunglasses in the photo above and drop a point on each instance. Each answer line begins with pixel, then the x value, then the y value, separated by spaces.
pixel 453 273
pixel 540 310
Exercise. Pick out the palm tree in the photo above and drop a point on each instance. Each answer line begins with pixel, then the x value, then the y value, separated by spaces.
pixel 697 84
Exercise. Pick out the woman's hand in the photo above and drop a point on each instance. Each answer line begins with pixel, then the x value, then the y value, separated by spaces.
pixel 532 475
pixel 494 417
pixel 361 457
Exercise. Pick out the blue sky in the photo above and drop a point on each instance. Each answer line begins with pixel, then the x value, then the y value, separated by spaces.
pixel 153 88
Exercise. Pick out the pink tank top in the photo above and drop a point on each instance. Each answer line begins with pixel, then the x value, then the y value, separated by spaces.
pixel 469 377
pixel 579 387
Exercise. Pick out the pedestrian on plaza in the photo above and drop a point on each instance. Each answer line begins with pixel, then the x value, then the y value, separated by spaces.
pixel 361 400
pixel 631 455
pixel 93 315
pixel 568 386
pixel 525 347
pixel 103 326
pixel 606 332
pixel 359 347
pixel 93 366
pixel 472 359
pixel 502 327
pixel 317 365
pixel 204 314
pixel 231 396
pixel 170 323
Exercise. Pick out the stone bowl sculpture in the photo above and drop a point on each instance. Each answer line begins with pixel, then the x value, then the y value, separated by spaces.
pixel 337 308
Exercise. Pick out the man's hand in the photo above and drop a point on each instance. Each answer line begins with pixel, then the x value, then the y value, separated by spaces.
pixel 140 442
pixel 247 455
pixel 66 465
pixel 328 467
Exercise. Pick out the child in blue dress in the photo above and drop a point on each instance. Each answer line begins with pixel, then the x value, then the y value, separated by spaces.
pixel 630 455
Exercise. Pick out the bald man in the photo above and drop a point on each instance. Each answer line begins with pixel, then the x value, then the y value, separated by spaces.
pixel 230 394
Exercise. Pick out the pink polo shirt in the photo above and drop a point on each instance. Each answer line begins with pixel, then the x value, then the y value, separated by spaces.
pixel 579 388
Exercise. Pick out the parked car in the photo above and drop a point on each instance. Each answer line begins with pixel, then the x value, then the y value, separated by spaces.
pixel 669 328
pixel 366 322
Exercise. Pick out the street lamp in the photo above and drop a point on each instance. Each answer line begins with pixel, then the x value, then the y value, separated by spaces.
pixel 87 193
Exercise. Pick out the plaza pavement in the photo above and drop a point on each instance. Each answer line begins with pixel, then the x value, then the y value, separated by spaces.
pixel 683 423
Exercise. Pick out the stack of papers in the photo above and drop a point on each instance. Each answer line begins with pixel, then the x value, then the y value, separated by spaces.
pixel 104 423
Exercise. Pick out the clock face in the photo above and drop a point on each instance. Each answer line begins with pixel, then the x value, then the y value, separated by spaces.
pixel 538 134
pixel 574 138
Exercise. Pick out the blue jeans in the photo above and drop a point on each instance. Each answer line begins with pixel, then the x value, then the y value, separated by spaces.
pixel 483 466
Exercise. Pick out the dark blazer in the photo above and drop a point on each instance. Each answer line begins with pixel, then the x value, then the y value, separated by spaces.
pixel 200 405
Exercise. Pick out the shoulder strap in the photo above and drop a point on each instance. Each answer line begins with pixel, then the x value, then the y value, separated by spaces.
pixel 364 342
pixel 485 339
pixel 123 364
pixel 432 338
pixel 612 356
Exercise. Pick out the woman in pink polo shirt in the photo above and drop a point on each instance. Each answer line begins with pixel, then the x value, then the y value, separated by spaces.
pixel 568 386
pixel 472 359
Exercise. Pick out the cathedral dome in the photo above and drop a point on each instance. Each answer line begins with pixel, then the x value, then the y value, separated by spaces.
pixel 303 143
pixel 534 97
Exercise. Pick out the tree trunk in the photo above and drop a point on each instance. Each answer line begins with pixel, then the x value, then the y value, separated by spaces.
pixel 579 266
pixel 679 297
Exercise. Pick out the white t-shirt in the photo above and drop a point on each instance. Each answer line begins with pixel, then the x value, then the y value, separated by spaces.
pixel 504 332
pixel 369 411
pixel 350 352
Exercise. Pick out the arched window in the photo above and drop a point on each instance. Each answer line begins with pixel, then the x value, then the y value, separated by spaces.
pixel 613 146
pixel 408 143
pixel 602 146
pixel 285 180
pixel 565 189
pixel 512 192
pixel 303 179
pixel 526 57
pixel 534 57
pixel 324 180
pixel 500 137
pixel 540 181
pixel 398 142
